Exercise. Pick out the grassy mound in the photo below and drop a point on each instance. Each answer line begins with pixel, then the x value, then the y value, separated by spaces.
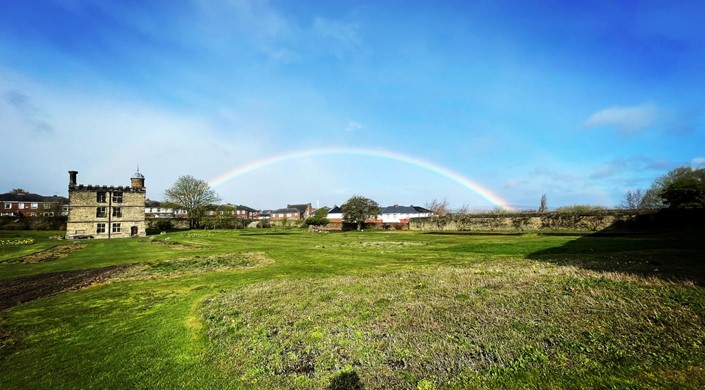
pixel 510 322
pixel 195 265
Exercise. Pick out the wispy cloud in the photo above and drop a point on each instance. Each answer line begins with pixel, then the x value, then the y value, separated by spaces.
pixel 23 110
pixel 628 165
pixel 342 36
pixel 698 162
pixel 629 120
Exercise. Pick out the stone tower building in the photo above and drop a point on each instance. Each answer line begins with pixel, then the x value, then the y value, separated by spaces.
pixel 106 211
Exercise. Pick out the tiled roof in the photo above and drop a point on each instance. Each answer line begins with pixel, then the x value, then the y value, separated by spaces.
pixel 287 210
pixel 31 197
pixel 300 207
pixel 398 210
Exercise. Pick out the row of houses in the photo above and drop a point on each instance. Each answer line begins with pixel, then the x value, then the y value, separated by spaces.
pixel 292 212
pixel 26 204
pixel 102 211
pixel 23 203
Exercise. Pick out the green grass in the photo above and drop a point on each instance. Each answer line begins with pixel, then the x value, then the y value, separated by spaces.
pixel 286 308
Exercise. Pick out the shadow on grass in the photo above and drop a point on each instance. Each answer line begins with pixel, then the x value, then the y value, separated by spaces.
pixel 669 245
pixel 346 381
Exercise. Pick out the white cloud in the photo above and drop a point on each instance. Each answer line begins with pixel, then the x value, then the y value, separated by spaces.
pixel 105 138
pixel 698 162
pixel 628 120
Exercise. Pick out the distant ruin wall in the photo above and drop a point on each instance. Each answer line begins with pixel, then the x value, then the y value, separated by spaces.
pixel 167 223
pixel 588 221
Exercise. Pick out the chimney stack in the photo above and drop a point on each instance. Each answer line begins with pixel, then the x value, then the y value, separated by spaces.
pixel 72 178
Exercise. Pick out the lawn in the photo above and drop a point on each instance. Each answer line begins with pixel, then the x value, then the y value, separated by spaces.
pixel 291 309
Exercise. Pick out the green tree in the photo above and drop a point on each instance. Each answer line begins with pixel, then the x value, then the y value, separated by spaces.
pixel 193 195
pixel 319 217
pixel 687 191
pixel 358 209
pixel 652 198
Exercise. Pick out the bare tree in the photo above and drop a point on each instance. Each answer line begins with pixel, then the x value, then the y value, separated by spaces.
pixel 465 209
pixel 439 207
pixel 193 195
pixel 633 199
pixel 544 204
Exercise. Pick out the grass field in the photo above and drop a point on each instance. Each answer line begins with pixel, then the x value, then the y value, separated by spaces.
pixel 292 309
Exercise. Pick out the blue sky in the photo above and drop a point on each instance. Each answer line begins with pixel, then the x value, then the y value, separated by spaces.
pixel 579 100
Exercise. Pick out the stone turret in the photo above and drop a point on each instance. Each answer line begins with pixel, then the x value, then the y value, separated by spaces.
pixel 137 179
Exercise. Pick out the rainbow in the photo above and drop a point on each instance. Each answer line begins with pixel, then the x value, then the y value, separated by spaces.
pixel 483 192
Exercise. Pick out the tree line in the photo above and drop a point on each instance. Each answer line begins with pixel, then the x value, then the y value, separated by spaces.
pixel 683 187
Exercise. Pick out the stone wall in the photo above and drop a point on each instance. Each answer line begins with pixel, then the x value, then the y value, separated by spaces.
pixel 84 221
pixel 589 221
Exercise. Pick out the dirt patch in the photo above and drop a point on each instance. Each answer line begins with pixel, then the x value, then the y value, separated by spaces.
pixel 20 290
pixel 51 254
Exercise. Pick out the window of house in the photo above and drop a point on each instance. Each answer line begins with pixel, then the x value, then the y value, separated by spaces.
pixel 20 205
pixel 100 228
pixel 33 214
pixel 116 228
pixel 8 206
pixel 100 196
pixel 117 212
pixel 34 205
pixel 100 212
pixel 117 197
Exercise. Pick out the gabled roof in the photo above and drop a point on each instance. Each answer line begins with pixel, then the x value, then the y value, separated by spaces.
pixel 421 209
pixel 250 209
pixel 396 209
pixel 335 210
pixel 301 207
pixel 287 210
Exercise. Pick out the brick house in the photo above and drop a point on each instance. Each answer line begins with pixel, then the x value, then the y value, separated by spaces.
pixel 289 214
pixel 245 212
pixel 100 211
pixel 306 210
pixel 22 203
